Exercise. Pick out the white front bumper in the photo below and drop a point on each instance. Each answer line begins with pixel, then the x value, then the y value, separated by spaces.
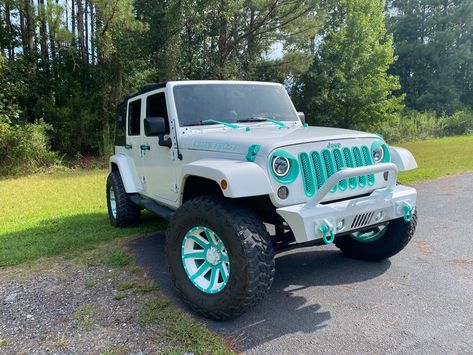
pixel 380 206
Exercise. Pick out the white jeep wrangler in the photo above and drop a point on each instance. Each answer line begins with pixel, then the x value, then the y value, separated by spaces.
pixel 240 176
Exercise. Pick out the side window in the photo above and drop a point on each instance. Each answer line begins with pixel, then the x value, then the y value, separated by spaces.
pixel 120 128
pixel 156 107
pixel 134 113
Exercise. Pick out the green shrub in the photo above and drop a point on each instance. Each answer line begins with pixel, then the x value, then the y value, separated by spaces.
pixel 25 148
pixel 459 123
pixel 413 125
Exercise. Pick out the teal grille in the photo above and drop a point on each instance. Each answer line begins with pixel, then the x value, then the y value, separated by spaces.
pixel 318 167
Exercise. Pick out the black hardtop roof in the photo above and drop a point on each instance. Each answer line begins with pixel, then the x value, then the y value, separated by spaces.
pixel 147 88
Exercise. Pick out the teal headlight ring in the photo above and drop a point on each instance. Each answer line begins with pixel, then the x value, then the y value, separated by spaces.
pixel 386 155
pixel 293 172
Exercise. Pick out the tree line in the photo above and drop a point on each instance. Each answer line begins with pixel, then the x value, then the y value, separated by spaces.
pixel 347 63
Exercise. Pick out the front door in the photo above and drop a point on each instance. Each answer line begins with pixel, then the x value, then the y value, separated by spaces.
pixel 158 162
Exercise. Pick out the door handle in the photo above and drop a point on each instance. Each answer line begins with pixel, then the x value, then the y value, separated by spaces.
pixel 145 147
pixel 128 146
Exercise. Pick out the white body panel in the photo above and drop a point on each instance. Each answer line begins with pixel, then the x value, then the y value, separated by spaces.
pixel 305 221
pixel 244 178
pixel 403 158
pixel 266 134
pixel 128 170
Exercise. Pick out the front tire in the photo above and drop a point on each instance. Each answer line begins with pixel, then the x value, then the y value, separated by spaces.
pixel 121 211
pixel 378 244
pixel 220 255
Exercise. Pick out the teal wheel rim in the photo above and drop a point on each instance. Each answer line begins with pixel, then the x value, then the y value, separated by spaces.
pixel 205 260
pixel 370 235
pixel 113 202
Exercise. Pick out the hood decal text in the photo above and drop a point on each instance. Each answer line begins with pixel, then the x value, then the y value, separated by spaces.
pixel 216 146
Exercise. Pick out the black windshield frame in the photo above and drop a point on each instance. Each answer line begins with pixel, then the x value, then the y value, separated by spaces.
pixel 231 103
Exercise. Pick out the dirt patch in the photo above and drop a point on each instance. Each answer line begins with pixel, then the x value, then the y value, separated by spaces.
pixel 424 247
pixel 461 262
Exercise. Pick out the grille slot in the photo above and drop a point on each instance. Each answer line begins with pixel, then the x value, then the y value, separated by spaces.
pixel 307 175
pixel 319 171
pixel 368 161
pixel 328 165
pixel 359 162
pixel 362 220
pixel 349 161
pixel 339 164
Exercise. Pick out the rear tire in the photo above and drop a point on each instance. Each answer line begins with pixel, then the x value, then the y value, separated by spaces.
pixel 246 253
pixel 395 237
pixel 121 211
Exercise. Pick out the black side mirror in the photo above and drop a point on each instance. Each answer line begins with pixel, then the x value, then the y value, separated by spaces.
pixel 156 127
pixel 301 116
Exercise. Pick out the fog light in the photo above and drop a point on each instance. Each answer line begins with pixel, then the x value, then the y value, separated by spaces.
pixel 379 216
pixel 283 192
pixel 340 224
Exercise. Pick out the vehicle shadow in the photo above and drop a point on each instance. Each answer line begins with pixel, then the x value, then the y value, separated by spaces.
pixel 64 235
pixel 284 310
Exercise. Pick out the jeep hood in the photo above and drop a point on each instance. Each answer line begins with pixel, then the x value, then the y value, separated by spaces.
pixel 237 141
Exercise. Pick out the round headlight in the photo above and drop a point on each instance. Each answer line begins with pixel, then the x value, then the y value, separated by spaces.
pixel 378 154
pixel 281 166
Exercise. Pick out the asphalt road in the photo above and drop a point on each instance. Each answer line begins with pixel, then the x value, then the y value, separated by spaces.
pixel 418 302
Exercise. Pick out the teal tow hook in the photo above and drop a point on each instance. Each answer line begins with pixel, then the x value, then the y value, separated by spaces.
pixel 324 229
pixel 407 211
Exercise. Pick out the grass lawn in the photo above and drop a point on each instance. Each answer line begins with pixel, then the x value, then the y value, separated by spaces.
pixel 64 213
pixel 439 157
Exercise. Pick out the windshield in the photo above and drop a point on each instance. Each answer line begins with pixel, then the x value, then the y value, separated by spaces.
pixel 199 104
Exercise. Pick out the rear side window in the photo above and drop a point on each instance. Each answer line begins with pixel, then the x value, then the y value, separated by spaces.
pixel 134 115
pixel 156 107
pixel 120 128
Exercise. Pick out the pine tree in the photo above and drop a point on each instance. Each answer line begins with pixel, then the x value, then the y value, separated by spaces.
pixel 347 84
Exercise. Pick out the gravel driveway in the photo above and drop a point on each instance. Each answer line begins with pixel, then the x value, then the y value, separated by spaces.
pixel 74 310
pixel 420 301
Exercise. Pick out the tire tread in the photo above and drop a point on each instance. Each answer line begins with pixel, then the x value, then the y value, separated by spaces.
pixel 128 214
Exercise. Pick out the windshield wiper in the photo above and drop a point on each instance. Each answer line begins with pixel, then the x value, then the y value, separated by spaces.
pixel 231 125
pixel 212 122
pixel 262 119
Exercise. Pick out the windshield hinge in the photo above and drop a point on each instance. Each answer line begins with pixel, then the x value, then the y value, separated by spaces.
pixel 252 151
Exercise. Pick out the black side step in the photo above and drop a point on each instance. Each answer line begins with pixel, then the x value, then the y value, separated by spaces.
pixel 145 202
